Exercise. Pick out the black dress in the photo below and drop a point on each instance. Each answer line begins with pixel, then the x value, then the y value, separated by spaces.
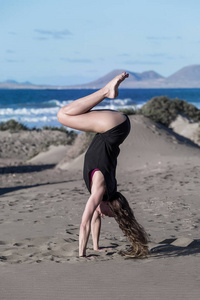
pixel 102 154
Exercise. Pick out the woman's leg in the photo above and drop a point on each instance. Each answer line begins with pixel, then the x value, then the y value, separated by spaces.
pixel 77 114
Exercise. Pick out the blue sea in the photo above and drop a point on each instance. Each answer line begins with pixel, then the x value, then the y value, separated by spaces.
pixel 37 108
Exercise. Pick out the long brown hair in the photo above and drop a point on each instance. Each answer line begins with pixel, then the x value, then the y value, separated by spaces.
pixel 135 233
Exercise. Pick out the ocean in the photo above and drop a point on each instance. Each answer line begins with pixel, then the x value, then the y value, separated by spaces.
pixel 38 108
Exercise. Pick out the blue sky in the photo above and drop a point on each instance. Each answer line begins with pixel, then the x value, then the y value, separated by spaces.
pixel 76 41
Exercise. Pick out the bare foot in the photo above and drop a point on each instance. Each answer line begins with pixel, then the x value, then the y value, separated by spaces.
pixel 112 87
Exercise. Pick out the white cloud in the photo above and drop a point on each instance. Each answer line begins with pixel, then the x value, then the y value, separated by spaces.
pixel 46 34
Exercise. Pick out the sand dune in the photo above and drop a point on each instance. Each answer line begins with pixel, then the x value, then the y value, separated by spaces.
pixel 151 145
pixel 53 155
pixel 187 128
pixel 41 208
pixel 148 145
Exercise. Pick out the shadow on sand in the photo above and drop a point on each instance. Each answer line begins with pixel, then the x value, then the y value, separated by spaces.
pixel 166 249
pixel 25 169
pixel 22 187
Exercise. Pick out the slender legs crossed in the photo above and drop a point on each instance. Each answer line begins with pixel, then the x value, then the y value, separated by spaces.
pixel 78 114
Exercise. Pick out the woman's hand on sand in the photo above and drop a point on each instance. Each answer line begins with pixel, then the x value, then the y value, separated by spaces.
pixel 89 257
pixel 103 249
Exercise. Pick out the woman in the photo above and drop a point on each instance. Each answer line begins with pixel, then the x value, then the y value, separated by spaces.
pixel 112 128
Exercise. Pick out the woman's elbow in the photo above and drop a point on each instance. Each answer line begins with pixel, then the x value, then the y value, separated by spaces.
pixel 64 116
pixel 60 115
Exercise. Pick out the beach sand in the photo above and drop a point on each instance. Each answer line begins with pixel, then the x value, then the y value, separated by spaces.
pixel 41 206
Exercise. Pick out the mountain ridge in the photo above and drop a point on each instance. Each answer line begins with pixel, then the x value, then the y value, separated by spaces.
pixel 186 77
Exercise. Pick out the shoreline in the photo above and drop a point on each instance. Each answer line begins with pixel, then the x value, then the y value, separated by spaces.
pixel 42 110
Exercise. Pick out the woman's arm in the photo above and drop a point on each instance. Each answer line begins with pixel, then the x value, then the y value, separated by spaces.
pixel 97 192
pixel 85 227
pixel 96 228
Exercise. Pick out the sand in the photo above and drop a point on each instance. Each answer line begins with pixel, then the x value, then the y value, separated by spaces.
pixel 41 207
pixel 187 128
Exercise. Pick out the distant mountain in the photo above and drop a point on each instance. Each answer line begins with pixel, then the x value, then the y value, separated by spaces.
pixel 11 81
pixel 189 73
pixel 12 84
pixel 134 78
pixel 187 77
pixel 150 75
pixel 27 82
pixel 15 82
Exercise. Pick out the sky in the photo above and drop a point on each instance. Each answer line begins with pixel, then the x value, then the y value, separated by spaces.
pixel 66 42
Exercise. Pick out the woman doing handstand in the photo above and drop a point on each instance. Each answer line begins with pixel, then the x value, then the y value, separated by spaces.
pixel 111 128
